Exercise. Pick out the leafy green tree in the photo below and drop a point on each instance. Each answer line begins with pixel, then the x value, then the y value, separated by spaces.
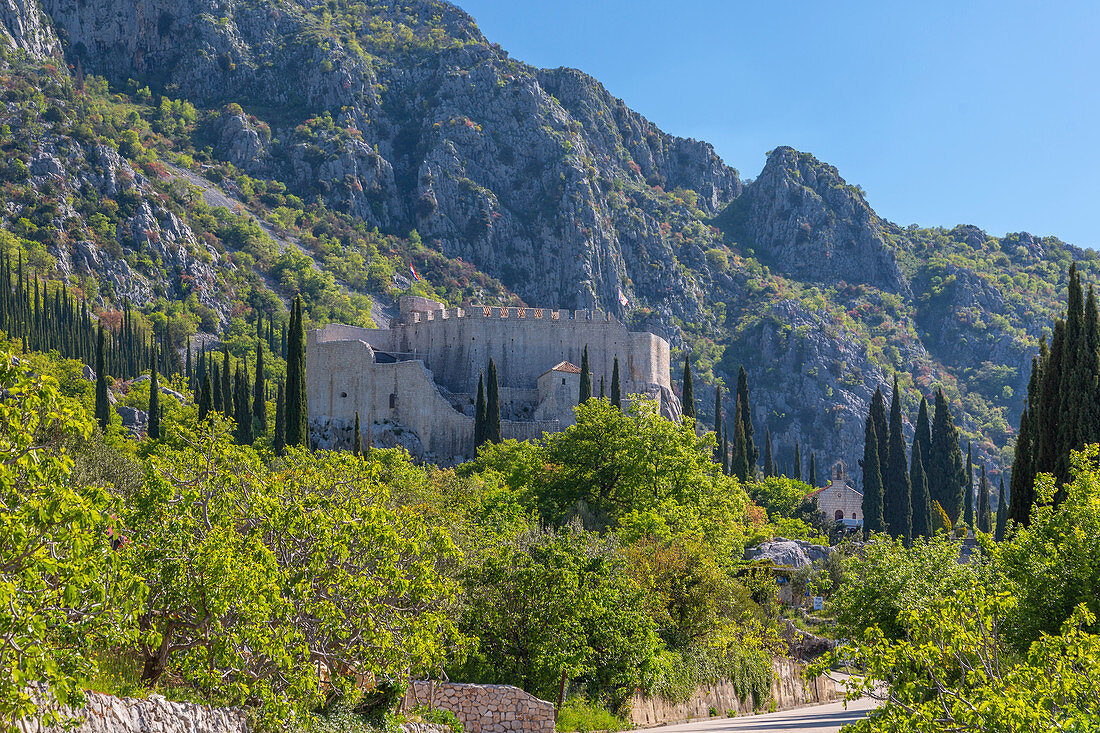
pixel 62 589
pixel 873 520
pixel 297 408
pixel 689 390
pixel 586 378
pixel 559 609
pixel 946 473
pixel 897 502
pixel 492 406
pixel 154 401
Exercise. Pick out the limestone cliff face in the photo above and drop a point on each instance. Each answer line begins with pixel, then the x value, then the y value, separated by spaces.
pixel 23 26
pixel 806 222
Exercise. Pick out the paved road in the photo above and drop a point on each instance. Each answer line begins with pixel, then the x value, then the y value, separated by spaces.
pixel 826 718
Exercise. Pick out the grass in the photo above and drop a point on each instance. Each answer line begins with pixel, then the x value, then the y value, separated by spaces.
pixel 578 714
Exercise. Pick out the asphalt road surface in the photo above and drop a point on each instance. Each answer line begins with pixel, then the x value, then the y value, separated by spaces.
pixel 827 718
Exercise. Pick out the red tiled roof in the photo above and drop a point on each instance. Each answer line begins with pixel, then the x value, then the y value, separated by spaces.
pixel 565 367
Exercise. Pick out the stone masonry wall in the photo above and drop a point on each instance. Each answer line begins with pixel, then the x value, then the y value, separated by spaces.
pixel 789 690
pixel 486 708
pixel 156 714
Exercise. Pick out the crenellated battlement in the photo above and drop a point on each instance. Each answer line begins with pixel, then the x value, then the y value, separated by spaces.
pixel 410 316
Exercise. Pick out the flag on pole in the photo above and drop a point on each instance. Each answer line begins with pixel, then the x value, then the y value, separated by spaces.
pixel 413 271
pixel 623 299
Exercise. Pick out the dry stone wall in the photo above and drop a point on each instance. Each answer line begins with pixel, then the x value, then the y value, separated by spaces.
pixel 789 690
pixel 486 708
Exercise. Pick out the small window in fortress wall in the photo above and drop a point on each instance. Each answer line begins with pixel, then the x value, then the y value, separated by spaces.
pixel 343 394
pixel 563 380
pixel 393 401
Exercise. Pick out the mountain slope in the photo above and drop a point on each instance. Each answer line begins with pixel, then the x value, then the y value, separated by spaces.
pixel 382 134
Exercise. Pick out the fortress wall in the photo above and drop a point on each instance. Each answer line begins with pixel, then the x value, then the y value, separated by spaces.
pixel 528 429
pixel 459 348
pixel 379 338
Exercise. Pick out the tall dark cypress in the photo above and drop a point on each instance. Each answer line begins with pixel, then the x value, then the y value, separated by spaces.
pixel 797 462
pixel 356 439
pixel 813 469
pixel 968 497
pixel 1090 416
pixel 1076 383
pixel 922 431
pixel 259 392
pixel 739 466
pixel 616 386
pixel 154 400
pixel 985 512
pixel 718 424
pixel 769 461
pixel 216 395
pixel 188 373
pixel 897 507
pixel 1022 494
pixel 228 408
pixel 882 433
pixel 492 406
pixel 724 448
pixel 102 401
pixel 586 379
pixel 873 520
pixel 278 441
pixel 1047 435
pixel 920 501
pixel 1002 513
pixel 480 414
pixel 205 397
pixel 746 418
pixel 945 469
pixel 603 395
pixel 297 408
pixel 242 406
pixel 689 390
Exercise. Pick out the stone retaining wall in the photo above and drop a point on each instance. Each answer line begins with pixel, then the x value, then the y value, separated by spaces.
pixel 789 690
pixel 485 708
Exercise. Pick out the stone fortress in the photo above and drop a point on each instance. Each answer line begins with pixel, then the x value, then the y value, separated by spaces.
pixel 414 383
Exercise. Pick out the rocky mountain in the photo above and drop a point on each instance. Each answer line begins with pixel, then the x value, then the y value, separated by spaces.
pixel 352 139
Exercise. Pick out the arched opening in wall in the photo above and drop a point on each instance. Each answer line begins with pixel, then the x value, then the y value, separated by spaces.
pixel 393 401
pixel 344 395
pixel 840 515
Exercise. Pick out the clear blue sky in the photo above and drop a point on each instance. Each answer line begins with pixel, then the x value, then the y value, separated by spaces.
pixel 946 113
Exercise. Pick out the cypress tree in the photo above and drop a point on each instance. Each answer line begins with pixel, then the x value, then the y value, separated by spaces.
pixel 921 502
pixel 102 401
pixel 797 462
pixel 228 408
pixel 492 406
pixel 586 379
pixel 922 432
pixel 717 423
pixel 769 461
pixel 188 374
pixel 278 442
pixel 205 401
pixel 882 435
pixel 154 400
pixel 297 408
pixel 945 469
pixel 1022 494
pixel 897 508
pixel 1090 418
pixel 1002 513
pixel 968 497
pixel 740 464
pixel 480 414
pixel 1077 382
pixel 725 449
pixel 603 395
pixel 356 441
pixel 813 470
pixel 985 512
pixel 218 403
pixel 200 370
pixel 242 408
pixel 259 391
pixel 873 520
pixel 689 390
pixel 753 453
pixel 616 387
pixel 1047 433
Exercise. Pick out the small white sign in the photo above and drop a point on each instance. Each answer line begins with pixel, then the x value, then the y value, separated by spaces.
pixel 819 603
